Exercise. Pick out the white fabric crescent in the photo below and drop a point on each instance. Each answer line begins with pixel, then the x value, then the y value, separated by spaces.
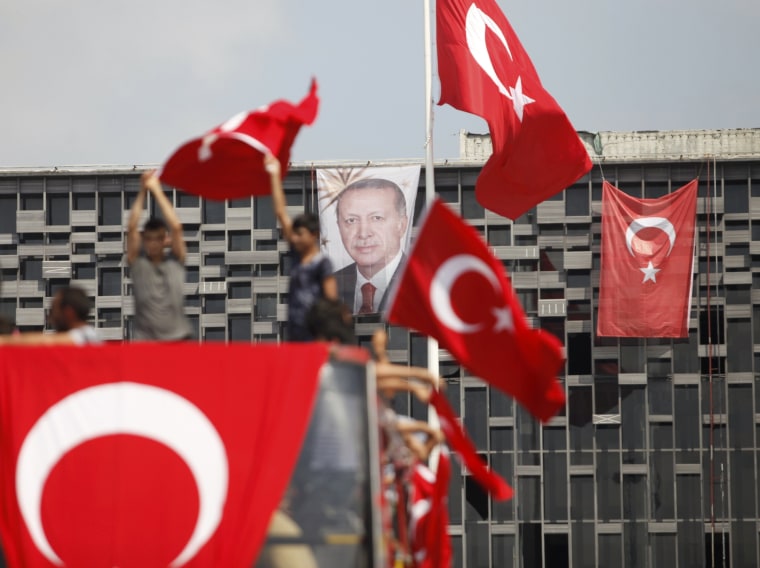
pixel 475 29
pixel 440 289
pixel 124 408
pixel 648 223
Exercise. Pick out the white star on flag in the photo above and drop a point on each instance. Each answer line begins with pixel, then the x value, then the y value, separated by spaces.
pixel 503 319
pixel 650 272
pixel 519 100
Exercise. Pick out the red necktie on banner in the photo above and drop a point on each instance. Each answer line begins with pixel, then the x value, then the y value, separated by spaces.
pixel 142 455
pixel 228 161
pixel 368 298
pixel 647 263
pixel 454 289
pixel 485 70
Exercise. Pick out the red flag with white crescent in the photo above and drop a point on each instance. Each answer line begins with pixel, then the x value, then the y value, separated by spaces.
pixel 454 289
pixel 228 161
pixel 647 263
pixel 147 455
pixel 485 70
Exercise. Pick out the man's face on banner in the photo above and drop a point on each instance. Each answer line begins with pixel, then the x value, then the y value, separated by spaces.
pixel 371 226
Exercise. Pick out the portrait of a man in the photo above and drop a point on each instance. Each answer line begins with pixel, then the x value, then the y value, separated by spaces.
pixel 373 217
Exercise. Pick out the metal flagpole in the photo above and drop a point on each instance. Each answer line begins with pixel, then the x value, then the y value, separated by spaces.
pixel 432 344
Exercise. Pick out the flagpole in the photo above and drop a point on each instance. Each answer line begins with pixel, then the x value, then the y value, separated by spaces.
pixel 432 344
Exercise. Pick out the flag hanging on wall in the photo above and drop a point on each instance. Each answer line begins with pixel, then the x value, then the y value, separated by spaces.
pixel 454 289
pixel 647 263
pixel 484 70
pixel 146 454
pixel 228 161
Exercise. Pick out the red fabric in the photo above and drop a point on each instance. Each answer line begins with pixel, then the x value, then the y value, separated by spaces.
pixel 645 287
pixel 536 151
pixel 124 498
pixel 465 449
pixel 429 518
pixel 454 289
pixel 228 161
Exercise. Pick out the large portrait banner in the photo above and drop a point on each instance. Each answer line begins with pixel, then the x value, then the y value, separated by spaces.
pixel 365 216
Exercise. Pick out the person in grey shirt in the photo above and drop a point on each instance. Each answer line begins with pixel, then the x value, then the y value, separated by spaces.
pixel 157 278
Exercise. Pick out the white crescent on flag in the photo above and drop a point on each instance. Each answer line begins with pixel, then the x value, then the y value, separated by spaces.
pixel 475 27
pixel 440 289
pixel 124 408
pixel 649 223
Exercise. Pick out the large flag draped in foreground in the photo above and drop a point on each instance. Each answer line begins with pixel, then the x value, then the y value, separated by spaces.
pixel 228 161
pixel 485 70
pixel 647 263
pixel 454 289
pixel 148 455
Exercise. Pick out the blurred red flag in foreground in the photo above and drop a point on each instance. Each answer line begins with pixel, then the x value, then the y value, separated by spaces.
pixel 429 518
pixel 228 161
pixel 142 455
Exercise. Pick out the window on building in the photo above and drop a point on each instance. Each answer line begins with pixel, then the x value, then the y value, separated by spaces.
pixel 213 211
pixel 736 196
pixel 187 199
pixel 110 212
pixel 213 259
pixel 109 317
pixel 239 327
pixel 265 306
pixel 58 209
pixel 84 248
pixel 579 353
pixel 263 217
pixel 471 209
pixel 31 202
pixel 31 269
pixel 239 241
pixel 109 283
pixel 213 334
pixel 84 271
pixel 27 303
pixel 266 244
pixel 213 236
pixel 192 275
pixel 265 270
pixel 8 214
pixel 576 201
pixel 214 304
pixel 655 189
pixel 239 290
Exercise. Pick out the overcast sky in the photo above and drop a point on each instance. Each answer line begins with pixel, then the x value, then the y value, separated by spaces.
pixel 94 82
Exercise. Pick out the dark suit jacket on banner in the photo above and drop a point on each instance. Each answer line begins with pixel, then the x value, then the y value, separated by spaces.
pixel 346 278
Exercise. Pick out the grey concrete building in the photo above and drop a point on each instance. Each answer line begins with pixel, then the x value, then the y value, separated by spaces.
pixel 654 462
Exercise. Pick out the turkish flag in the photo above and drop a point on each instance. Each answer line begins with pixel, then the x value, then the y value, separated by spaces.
pixel 484 70
pixel 465 449
pixel 647 263
pixel 429 515
pixel 454 289
pixel 228 161
pixel 143 455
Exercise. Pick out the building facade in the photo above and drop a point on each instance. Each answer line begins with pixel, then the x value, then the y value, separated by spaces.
pixel 654 461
